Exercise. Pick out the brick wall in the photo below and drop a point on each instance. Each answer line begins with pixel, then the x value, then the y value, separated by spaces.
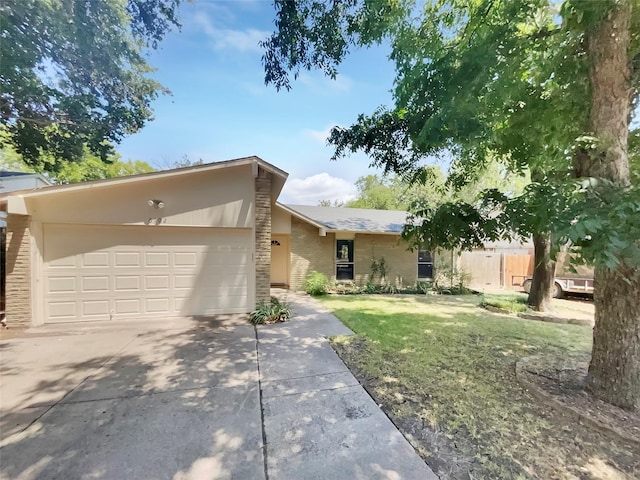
pixel 263 235
pixel 310 251
pixel 18 270
pixel 402 264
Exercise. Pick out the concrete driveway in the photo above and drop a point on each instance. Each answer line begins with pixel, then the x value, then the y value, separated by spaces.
pixel 196 398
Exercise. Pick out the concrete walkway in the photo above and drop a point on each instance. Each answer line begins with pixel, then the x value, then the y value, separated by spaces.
pixel 320 423
pixel 192 398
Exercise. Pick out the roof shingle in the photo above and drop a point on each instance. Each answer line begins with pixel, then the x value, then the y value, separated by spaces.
pixel 354 219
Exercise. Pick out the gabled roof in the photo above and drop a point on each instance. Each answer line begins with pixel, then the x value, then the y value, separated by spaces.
pixel 279 174
pixel 360 220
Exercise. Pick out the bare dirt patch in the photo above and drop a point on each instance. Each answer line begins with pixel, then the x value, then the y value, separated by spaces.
pixel 440 452
pixel 561 382
pixel 537 453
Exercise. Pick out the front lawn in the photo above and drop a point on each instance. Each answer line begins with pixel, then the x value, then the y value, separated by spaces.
pixel 443 369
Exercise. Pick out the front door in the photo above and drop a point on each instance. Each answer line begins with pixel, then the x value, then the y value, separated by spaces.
pixel 280 260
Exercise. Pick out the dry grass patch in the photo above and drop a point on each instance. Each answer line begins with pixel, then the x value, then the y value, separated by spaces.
pixel 443 369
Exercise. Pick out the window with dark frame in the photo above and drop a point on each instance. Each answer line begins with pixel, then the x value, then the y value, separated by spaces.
pixel 425 265
pixel 344 260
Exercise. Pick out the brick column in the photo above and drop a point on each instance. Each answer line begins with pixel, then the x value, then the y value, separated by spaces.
pixel 18 271
pixel 263 235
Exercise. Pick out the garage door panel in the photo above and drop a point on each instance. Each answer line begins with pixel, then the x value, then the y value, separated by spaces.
pixel 157 282
pixel 62 284
pixel 128 306
pixel 183 282
pixel 185 259
pixel 96 259
pixel 158 305
pixel 127 259
pixel 65 262
pixel 123 271
pixel 95 284
pixel 65 310
pixel 127 283
pixel 225 259
pixel 157 259
pixel 92 308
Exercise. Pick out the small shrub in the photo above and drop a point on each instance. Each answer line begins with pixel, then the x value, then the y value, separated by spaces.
pixel 346 288
pixel 316 284
pixel 450 279
pixel 389 288
pixel 273 311
pixel 424 287
pixel 370 287
pixel 379 267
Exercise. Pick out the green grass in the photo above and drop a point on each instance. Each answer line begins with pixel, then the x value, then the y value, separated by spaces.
pixel 512 302
pixel 446 363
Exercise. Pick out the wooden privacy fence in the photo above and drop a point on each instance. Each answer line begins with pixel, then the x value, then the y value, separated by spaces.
pixel 516 269
pixel 497 270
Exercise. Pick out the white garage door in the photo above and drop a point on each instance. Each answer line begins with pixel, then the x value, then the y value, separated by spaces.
pixel 102 272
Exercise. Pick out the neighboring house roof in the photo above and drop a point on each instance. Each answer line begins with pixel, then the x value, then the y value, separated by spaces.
pixel 20 181
pixel 5 173
pixel 351 219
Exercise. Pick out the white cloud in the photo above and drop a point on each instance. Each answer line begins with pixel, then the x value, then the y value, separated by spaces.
pixel 228 38
pixel 322 186
pixel 319 135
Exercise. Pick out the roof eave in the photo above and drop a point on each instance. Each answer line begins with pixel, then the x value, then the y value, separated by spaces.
pixel 304 218
pixel 109 182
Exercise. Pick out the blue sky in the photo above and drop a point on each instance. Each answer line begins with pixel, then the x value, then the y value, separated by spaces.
pixel 220 108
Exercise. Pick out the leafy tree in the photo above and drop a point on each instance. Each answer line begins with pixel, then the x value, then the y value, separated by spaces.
pixel 73 74
pixel 548 87
pixel 166 163
pixel 328 203
pixel 90 167
pixel 392 192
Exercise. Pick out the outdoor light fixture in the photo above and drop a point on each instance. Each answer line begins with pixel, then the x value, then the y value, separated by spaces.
pixel 156 203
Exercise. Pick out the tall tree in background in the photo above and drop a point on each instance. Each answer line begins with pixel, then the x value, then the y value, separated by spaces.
pixel 392 192
pixel 548 87
pixel 72 74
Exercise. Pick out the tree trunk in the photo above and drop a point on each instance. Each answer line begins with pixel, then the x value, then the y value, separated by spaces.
pixel 614 372
pixel 544 271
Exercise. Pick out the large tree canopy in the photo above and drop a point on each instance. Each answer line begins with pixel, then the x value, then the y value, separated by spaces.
pixel 544 86
pixel 72 73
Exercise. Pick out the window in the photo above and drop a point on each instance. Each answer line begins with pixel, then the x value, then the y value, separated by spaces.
pixel 425 264
pixel 344 260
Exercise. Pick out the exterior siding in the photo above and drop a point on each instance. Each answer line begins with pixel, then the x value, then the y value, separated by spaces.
pixel 217 198
pixel 263 235
pixel 18 270
pixel 402 264
pixel 310 251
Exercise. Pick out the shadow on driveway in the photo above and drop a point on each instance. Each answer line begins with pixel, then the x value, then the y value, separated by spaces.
pixel 197 398
pixel 144 400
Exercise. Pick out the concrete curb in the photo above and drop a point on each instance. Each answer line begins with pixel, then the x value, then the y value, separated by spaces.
pixel 572 412
pixel 540 317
